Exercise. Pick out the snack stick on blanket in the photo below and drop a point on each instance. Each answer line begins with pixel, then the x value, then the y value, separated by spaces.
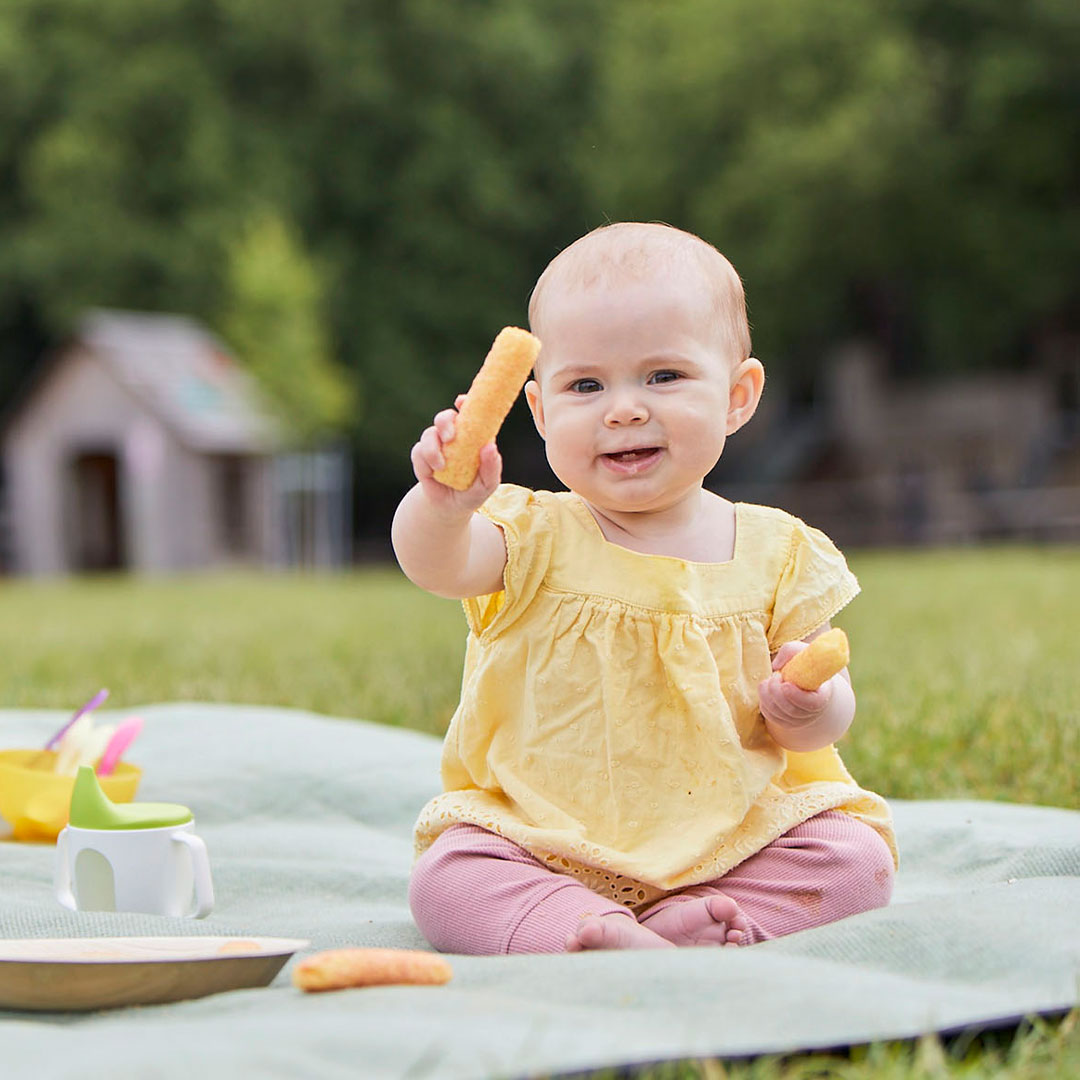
pixel 819 661
pixel 497 384
pixel 340 969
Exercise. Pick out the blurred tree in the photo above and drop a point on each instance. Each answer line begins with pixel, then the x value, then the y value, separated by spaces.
pixel 116 155
pixel 419 150
pixel 116 180
pixel 906 172
pixel 1006 85
pixel 447 182
pixel 272 317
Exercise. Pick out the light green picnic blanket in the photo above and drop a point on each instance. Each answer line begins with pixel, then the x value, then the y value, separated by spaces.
pixel 308 823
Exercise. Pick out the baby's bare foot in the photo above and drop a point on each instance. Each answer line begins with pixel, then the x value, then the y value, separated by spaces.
pixel 705 920
pixel 613 932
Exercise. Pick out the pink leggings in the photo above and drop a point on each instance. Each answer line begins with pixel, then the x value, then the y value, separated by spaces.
pixel 477 893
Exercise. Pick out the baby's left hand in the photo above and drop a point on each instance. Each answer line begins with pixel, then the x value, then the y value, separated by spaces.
pixel 785 704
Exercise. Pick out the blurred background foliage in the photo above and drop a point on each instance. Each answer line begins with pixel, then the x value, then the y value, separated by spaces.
pixel 272 316
pixel 356 194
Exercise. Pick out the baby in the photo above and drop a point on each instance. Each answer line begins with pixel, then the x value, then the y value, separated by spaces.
pixel 626 767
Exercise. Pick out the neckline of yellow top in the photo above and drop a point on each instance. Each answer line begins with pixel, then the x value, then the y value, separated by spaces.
pixel 581 511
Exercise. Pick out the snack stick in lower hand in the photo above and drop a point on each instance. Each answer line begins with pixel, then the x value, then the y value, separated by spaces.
pixel 819 661
pixel 497 384
pixel 340 969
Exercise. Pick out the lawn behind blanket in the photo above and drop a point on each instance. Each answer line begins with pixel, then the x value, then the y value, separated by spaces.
pixel 964 663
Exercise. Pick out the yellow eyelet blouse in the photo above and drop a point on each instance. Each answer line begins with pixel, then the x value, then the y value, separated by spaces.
pixel 609 719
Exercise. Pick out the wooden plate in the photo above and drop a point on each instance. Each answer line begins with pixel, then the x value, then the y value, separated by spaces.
pixel 54 974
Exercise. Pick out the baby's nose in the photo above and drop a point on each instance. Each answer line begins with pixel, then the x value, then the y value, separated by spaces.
pixel 626 408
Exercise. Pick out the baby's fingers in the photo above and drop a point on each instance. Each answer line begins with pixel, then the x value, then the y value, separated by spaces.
pixel 490 471
pixel 780 699
pixel 427 455
pixel 786 652
pixel 804 700
pixel 445 424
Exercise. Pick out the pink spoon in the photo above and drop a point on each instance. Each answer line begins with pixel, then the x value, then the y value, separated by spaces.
pixel 122 738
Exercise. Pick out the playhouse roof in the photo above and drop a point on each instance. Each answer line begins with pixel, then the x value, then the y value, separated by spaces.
pixel 183 375
pixel 179 372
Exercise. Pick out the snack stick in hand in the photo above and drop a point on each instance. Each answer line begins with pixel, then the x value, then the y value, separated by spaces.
pixel 340 969
pixel 819 661
pixel 497 384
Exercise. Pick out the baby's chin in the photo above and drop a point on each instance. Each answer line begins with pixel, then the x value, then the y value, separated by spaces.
pixel 610 493
pixel 639 501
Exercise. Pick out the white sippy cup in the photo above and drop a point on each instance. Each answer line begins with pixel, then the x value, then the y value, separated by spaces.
pixel 130 856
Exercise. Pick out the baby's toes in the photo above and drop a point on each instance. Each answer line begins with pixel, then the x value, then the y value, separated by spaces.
pixel 707 920
pixel 738 930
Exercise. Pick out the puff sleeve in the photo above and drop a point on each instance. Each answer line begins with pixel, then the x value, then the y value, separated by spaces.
pixel 525 521
pixel 814 585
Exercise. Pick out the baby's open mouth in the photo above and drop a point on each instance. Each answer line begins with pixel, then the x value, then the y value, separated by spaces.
pixel 633 461
pixel 633 455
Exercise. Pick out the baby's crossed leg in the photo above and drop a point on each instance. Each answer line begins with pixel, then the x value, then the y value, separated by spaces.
pixel 825 869
pixel 475 892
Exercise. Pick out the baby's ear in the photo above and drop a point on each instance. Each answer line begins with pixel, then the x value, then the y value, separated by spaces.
pixel 536 405
pixel 747 383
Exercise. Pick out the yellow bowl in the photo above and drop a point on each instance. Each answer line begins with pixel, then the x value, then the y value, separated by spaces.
pixel 35 801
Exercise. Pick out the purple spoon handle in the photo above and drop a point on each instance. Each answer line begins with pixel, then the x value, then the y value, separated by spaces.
pixel 92 704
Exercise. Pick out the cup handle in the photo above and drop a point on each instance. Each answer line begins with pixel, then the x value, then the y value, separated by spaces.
pixel 62 873
pixel 200 865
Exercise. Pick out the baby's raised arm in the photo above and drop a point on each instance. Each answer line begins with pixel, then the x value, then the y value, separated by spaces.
pixel 440 541
pixel 442 544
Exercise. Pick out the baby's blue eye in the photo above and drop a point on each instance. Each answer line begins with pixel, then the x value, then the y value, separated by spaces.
pixel 664 376
pixel 585 386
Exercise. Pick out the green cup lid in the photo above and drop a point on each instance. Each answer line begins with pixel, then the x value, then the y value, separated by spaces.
pixel 91 808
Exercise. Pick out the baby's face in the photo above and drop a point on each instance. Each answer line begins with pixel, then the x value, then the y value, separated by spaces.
pixel 632 391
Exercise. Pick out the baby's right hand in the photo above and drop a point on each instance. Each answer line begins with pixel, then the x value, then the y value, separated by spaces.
pixel 427 457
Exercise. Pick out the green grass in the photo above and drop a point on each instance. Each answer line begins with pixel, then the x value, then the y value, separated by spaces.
pixel 964 663
pixel 366 644
pixel 1041 1050
pixel 965 667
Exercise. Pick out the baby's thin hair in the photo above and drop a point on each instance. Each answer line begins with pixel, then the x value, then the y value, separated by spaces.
pixel 637 249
